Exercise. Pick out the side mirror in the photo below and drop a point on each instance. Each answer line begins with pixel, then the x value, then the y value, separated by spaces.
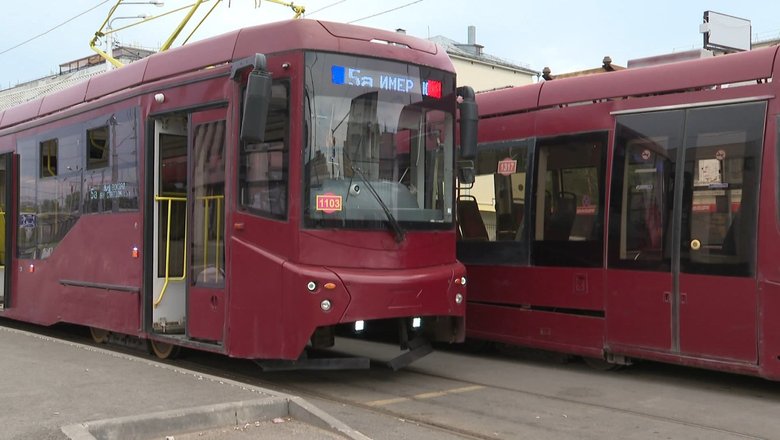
pixel 257 100
pixel 469 119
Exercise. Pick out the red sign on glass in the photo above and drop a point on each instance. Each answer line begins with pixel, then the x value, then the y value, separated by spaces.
pixel 328 203
pixel 507 166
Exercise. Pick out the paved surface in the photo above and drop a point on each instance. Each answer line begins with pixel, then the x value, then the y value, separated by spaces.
pixel 59 390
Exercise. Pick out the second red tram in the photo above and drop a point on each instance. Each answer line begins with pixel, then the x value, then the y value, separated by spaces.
pixel 631 215
pixel 243 194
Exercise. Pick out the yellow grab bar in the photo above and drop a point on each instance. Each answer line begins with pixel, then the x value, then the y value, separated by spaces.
pixel 206 203
pixel 168 277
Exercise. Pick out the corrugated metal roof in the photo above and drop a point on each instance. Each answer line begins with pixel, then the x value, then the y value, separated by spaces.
pixel 45 86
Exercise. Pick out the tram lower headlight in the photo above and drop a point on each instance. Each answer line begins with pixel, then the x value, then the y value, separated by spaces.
pixel 458 298
pixel 360 326
pixel 311 286
pixel 416 322
pixel 326 305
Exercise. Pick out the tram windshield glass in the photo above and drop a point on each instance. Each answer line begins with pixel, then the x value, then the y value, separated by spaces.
pixel 378 144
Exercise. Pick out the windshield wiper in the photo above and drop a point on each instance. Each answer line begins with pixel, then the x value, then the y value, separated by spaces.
pixel 398 231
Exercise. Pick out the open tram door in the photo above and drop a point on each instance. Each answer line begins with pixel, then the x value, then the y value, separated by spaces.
pixel 187 229
pixel 683 229
pixel 9 172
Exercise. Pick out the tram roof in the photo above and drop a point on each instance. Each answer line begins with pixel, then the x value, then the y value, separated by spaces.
pixel 667 78
pixel 219 50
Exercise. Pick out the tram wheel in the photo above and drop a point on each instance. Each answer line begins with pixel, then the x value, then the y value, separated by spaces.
pixel 601 364
pixel 164 350
pixel 99 335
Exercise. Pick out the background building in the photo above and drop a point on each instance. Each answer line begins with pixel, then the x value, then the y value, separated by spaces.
pixel 480 70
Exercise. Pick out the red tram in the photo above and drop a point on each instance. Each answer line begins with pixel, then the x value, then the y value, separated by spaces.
pixel 243 194
pixel 631 215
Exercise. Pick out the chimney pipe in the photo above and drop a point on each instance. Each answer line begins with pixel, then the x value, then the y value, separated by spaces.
pixel 472 35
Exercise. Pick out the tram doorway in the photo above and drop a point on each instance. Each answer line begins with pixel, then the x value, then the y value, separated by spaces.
pixel 188 216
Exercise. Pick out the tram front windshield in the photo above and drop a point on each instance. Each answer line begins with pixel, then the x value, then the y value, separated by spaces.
pixel 379 144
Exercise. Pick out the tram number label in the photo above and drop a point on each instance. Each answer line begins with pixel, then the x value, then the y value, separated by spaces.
pixel 328 203
pixel 507 166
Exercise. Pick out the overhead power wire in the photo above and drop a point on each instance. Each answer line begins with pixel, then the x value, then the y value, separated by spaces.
pixel 55 27
pixel 385 12
pixel 325 7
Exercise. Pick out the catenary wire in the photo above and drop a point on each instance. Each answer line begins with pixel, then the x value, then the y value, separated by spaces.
pixel 55 27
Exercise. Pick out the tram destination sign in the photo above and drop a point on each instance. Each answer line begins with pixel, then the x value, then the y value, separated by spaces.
pixel 374 79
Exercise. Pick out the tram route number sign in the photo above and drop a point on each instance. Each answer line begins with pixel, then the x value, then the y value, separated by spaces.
pixel 507 167
pixel 328 203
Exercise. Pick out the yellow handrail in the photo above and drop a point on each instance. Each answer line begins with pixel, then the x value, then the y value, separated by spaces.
pixel 2 264
pixel 206 203
pixel 168 277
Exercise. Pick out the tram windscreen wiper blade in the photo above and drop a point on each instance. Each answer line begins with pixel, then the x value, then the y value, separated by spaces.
pixel 398 231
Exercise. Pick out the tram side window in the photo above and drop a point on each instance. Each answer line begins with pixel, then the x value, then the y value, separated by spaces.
pixel 48 157
pixel 97 147
pixel 720 191
pixel 263 178
pixel 492 211
pixel 569 200
pixel 643 170
pixel 110 154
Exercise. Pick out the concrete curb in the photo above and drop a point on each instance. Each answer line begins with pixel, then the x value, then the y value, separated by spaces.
pixel 178 421
pixel 161 424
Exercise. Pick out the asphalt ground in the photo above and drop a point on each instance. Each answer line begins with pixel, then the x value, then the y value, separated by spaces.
pixel 59 390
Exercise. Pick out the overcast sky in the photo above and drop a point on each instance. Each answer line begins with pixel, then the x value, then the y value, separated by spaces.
pixel 565 35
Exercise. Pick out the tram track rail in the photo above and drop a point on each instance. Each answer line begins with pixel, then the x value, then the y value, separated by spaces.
pixel 246 372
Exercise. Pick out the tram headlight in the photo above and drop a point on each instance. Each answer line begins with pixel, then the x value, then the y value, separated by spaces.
pixel 312 286
pixel 462 281
pixel 326 305
pixel 416 322
pixel 360 326
pixel 458 298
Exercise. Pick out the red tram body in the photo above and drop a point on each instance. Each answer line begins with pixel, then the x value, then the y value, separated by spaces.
pixel 631 215
pixel 133 203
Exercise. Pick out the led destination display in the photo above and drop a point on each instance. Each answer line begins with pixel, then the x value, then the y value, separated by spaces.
pixel 350 76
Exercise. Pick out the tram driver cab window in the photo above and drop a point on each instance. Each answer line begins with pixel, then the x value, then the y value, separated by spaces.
pixel 264 166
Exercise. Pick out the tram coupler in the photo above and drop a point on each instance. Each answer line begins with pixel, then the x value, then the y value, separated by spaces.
pixel 418 347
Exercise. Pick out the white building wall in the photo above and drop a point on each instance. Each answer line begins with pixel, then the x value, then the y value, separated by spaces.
pixel 486 77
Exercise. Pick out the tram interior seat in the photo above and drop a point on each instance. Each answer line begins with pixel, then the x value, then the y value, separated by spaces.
pixel 471 226
pixel 560 220
pixel 508 224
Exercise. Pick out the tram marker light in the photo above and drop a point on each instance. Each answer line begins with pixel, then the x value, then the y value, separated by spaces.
pixel 134 252
pixel 325 305
pixel 159 98
pixel 360 326
pixel 329 286
pixel 31 269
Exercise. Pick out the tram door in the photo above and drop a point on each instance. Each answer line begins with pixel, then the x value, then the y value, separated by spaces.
pixel 683 216
pixel 206 200
pixel 189 223
pixel 169 230
pixel 8 188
